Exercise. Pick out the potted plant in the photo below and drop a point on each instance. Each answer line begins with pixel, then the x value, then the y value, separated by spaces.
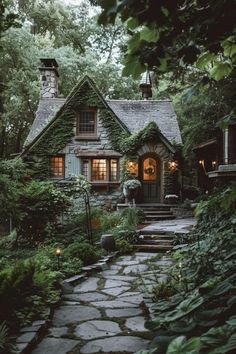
pixel 130 188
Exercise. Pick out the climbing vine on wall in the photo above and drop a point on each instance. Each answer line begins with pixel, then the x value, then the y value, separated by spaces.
pixel 62 130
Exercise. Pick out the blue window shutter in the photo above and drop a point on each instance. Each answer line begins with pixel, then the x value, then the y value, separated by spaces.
pixel 72 166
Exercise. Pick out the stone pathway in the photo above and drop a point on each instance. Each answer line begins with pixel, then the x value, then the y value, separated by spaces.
pixel 106 312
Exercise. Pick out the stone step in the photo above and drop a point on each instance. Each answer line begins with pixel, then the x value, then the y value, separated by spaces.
pixel 154 232
pixel 157 212
pixel 159 217
pixel 152 248
pixel 156 242
pixel 157 237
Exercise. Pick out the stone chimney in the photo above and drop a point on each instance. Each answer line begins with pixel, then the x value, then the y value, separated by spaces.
pixel 48 78
pixel 145 85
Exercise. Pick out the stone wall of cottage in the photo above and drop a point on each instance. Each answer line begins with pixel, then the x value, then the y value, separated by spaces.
pixel 102 199
pixel 79 145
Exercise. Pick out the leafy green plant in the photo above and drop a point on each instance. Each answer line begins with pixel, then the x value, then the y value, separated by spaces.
pixel 200 315
pixel 5 345
pixel 87 253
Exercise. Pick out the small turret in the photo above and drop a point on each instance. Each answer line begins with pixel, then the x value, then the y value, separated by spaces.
pixel 145 85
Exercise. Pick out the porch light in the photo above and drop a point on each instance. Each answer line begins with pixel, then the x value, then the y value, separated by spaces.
pixel 132 168
pixel 213 163
pixel 172 166
pixel 201 162
pixel 58 254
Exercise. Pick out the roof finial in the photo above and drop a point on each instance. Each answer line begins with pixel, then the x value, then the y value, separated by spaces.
pixel 145 85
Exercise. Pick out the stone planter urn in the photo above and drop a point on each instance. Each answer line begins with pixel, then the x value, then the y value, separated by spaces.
pixel 108 243
pixel 131 188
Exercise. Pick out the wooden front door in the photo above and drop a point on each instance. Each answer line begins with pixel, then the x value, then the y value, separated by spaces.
pixel 150 176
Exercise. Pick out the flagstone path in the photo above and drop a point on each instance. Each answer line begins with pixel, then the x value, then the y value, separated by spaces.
pixel 107 311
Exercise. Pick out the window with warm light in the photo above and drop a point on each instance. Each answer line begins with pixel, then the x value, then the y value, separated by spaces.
pixel 86 123
pixel 57 166
pixel 149 169
pixel 113 170
pixel 101 170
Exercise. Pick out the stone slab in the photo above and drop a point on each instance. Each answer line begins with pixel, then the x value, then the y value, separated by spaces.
pixel 135 299
pixel 116 291
pixel 126 278
pixel 109 283
pixel 128 312
pixel 136 324
pixel 90 284
pixel 73 314
pixel 58 332
pixel 55 346
pixel 96 329
pixel 136 269
pixel 127 344
pixel 30 329
pixel 130 293
pixel 88 297
pixel 110 272
pixel 125 263
pixel 113 304
pixel 27 337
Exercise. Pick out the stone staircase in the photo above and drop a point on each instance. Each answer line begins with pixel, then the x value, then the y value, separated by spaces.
pixel 153 212
pixel 156 212
pixel 155 241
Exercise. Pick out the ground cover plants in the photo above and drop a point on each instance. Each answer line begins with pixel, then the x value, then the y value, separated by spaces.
pixel 195 311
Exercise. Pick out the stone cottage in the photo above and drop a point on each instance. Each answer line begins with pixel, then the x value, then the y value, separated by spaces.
pixel 105 140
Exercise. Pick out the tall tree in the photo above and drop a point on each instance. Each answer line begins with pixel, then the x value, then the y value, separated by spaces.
pixel 71 35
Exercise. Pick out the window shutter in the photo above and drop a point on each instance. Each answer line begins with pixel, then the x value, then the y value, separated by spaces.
pixel 72 166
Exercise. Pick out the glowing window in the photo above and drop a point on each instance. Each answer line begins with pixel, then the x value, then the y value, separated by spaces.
pixel 149 169
pixel 113 170
pixel 99 170
pixel 57 166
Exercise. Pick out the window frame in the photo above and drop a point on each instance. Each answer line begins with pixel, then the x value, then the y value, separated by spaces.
pixel 87 135
pixel 108 180
pixel 52 176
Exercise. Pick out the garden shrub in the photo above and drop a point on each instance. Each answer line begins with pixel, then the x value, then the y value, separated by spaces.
pixel 123 246
pixel 41 203
pixel 84 251
pixel 25 289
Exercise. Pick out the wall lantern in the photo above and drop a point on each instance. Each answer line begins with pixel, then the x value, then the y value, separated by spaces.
pixel 172 166
pixel 132 168
pixel 58 254
pixel 213 163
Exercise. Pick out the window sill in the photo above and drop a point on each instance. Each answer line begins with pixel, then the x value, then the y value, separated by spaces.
pixel 87 137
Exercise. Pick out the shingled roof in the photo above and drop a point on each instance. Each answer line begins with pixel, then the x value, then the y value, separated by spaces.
pixel 134 114
pixel 47 108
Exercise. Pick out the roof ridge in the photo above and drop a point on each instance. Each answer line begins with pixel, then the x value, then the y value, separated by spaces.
pixel 143 101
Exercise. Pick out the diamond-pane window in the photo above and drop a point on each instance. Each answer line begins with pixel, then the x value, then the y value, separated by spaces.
pixel 57 166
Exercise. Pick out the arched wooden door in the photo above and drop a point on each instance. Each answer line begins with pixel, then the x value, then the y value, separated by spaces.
pixel 150 175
